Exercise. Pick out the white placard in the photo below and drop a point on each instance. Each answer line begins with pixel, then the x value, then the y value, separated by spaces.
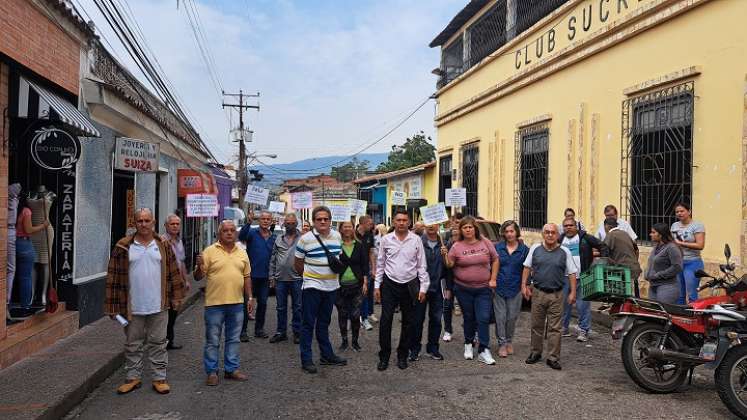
pixel 340 212
pixel 434 214
pixel 276 207
pixel 357 207
pixel 136 155
pixel 302 200
pixel 202 205
pixel 399 198
pixel 257 195
pixel 456 197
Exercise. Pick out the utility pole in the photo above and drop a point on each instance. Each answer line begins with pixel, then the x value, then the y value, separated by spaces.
pixel 241 106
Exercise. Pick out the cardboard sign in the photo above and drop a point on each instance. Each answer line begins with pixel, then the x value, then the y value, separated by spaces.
pixel 357 207
pixel 202 205
pixel 257 195
pixel 302 200
pixel 434 214
pixel 340 212
pixel 136 155
pixel 456 197
pixel 399 198
pixel 276 207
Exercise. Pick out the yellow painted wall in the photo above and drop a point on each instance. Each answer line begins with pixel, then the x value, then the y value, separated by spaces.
pixel 711 36
pixel 429 187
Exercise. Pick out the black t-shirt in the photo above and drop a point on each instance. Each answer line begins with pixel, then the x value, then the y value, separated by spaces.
pixel 367 240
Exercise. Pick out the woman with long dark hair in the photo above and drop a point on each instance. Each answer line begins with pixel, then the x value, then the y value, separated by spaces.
pixel 664 264
pixel 689 235
pixel 352 285
pixel 25 252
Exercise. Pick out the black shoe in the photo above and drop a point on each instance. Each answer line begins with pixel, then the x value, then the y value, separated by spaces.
pixel 356 346
pixel 435 355
pixel 402 363
pixel 414 357
pixel 244 337
pixel 296 338
pixel 172 346
pixel 383 365
pixel 333 361
pixel 278 338
pixel 554 364
pixel 533 358
pixel 260 334
pixel 344 344
pixel 309 368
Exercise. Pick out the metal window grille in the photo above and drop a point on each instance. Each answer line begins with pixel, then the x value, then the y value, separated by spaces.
pixel 452 62
pixel 444 177
pixel 530 181
pixel 530 12
pixel 657 155
pixel 487 34
pixel 470 160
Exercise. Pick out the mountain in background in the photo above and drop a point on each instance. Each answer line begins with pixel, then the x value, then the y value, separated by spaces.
pixel 279 174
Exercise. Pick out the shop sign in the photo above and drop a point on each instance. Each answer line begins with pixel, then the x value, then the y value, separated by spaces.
pixel 136 155
pixel 53 148
pixel 65 237
pixel 190 181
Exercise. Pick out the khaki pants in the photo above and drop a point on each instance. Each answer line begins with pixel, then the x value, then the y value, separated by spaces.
pixel 546 306
pixel 146 332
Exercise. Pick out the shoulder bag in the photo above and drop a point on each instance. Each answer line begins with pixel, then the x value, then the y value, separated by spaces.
pixel 335 264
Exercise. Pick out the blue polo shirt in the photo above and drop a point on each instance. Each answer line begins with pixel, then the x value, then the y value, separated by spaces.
pixel 259 250
pixel 512 265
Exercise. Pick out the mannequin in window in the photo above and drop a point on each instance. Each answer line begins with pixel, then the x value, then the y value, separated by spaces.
pixel 25 252
pixel 13 191
pixel 40 202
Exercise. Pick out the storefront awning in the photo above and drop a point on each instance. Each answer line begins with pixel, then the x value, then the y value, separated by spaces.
pixel 66 111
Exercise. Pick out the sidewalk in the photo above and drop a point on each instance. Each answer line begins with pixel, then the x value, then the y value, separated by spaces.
pixel 48 384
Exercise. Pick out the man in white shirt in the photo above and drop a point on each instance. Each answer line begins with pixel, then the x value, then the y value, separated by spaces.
pixel 611 211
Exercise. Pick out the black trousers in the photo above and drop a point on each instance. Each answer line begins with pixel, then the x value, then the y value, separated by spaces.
pixel 392 295
pixel 170 325
pixel 348 303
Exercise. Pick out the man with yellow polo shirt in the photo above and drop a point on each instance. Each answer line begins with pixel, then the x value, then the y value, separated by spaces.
pixel 226 269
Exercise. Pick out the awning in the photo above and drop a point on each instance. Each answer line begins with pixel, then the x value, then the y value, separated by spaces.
pixel 66 111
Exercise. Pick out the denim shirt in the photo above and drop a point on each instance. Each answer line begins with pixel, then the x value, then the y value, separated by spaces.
pixel 259 250
pixel 512 265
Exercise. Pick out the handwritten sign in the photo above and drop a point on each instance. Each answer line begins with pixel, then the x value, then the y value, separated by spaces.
pixel 357 207
pixel 399 198
pixel 257 195
pixel 202 205
pixel 276 207
pixel 302 200
pixel 136 155
pixel 340 212
pixel 434 214
pixel 456 197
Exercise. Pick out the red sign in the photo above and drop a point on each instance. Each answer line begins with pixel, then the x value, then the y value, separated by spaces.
pixel 191 181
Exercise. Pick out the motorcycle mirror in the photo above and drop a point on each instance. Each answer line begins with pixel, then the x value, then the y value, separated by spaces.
pixel 727 251
pixel 700 274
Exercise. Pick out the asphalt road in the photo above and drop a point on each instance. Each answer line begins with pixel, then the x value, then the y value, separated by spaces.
pixel 592 385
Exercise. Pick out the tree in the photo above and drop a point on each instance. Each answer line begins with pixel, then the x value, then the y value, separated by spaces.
pixel 417 150
pixel 350 171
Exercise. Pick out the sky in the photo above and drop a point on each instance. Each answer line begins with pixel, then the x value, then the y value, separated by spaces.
pixel 333 75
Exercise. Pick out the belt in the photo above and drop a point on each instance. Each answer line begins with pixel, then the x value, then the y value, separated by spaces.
pixel 547 290
pixel 27 238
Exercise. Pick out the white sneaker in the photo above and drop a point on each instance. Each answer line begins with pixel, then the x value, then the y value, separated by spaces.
pixel 583 336
pixel 486 357
pixel 468 355
pixel 367 325
pixel 372 318
pixel 447 337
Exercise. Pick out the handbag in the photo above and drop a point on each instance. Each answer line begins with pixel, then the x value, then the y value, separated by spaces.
pixel 334 263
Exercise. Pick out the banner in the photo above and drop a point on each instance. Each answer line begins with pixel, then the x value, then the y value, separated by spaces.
pixel 276 207
pixel 202 205
pixel 257 195
pixel 434 214
pixel 340 212
pixel 399 198
pixel 456 197
pixel 302 200
pixel 136 155
pixel 190 181
pixel 357 207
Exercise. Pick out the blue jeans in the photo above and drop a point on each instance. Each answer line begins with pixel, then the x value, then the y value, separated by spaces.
pixel 476 303
pixel 688 282
pixel 583 309
pixel 215 318
pixel 434 301
pixel 316 306
pixel 282 290
pixel 25 256
pixel 367 307
pixel 261 290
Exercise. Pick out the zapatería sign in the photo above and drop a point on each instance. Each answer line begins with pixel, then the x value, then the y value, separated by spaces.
pixel 136 155
pixel 53 148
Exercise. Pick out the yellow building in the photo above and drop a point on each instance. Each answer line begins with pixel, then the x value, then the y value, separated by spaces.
pixel 548 104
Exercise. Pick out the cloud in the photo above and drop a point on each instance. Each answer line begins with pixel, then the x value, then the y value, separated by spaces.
pixel 332 74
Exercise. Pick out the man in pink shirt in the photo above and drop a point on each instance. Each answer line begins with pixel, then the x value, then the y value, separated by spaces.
pixel 401 279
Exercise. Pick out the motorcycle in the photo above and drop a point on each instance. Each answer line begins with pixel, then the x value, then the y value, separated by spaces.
pixel 663 343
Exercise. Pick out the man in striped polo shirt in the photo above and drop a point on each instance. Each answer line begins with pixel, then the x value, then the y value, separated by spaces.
pixel 319 288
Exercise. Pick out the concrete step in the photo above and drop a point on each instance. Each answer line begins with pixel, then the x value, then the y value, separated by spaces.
pixel 36 334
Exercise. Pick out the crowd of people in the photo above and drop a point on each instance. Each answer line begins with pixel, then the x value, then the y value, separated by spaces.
pixel 412 269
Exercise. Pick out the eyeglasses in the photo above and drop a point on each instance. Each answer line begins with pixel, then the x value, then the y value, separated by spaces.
pixel 550 232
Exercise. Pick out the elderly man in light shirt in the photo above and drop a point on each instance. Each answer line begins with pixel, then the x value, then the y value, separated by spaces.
pixel 401 279
pixel 610 211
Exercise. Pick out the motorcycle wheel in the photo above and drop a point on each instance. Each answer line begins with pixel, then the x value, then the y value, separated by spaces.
pixel 655 376
pixel 731 381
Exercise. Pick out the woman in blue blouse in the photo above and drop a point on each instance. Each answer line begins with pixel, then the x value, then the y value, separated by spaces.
pixel 507 299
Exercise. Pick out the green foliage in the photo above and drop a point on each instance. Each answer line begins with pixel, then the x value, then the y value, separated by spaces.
pixel 417 150
pixel 350 171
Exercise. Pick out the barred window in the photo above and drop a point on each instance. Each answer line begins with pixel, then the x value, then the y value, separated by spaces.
pixel 657 155
pixel 452 62
pixel 444 178
pixel 487 34
pixel 530 200
pixel 470 160
pixel 530 12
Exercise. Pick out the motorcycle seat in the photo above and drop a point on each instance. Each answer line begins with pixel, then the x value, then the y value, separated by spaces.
pixel 677 310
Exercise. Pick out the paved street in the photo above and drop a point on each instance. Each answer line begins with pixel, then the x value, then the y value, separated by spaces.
pixel 591 385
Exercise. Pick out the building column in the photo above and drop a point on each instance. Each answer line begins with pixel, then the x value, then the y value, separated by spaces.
pixel 743 244
pixel 4 73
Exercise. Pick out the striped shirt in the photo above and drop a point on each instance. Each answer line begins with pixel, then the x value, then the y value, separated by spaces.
pixel 316 271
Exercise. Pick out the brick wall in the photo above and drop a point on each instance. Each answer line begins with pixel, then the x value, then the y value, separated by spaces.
pixel 31 39
pixel 3 195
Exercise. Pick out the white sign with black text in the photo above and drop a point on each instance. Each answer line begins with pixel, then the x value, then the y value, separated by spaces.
pixel 399 198
pixel 340 212
pixel 202 205
pixel 276 207
pixel 434 214
pixel 257 195
pixel 456 197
